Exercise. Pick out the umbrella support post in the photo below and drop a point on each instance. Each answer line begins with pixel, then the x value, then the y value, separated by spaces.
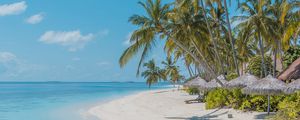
pixel 268 104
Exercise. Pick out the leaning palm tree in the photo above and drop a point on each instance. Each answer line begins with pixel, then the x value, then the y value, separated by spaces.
pixel 156 25
pixel 143 39
pixel 153 74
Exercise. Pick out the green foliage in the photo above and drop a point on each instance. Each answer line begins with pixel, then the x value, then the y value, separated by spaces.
pixel 255 66
pixel 291 55
pixel 289 108
pixel 171 70
pixel 235 99
pixel 216 98
pixel 232 75
pixel 260 103
pixel 192 91
pixel 224 97
pixel 152 73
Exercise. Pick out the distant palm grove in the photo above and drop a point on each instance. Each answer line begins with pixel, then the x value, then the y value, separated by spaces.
pixel 210 41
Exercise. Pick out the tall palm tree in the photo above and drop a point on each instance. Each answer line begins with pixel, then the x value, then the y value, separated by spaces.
pixel 189 29
pixel 154 25
pixel 211 34
pixel 286 18
pixel 255 17
pixel 152 74
pixel 231 39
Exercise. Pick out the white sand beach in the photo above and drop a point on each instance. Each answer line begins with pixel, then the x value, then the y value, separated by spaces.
pixel 165 104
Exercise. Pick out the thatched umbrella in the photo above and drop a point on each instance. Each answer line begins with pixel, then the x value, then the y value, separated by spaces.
pixel 242 81
pixel 266 86
pixel 196 82
pixel 295 84
pixel 214 84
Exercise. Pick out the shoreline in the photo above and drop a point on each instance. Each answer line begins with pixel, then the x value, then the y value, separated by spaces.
pixel 163 104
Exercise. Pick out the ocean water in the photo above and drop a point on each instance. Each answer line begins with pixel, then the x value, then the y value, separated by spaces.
pixel 59 100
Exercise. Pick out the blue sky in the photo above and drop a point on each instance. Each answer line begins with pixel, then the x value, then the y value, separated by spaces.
pixel 64 40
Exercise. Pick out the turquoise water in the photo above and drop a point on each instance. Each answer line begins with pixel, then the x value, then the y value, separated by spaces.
pixel 59 101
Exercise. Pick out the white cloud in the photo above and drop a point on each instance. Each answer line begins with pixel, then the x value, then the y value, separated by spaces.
pixel 34 19
pixel 13 9
pixel 127 40
pixel 7 57
pixel 74 40
pixel 12 67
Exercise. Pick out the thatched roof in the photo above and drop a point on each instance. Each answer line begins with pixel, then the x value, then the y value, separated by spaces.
pixel 214 84
pixel 266 86
pixel 292 72
pixel 242 81
pixel 295 84
pixel 196 82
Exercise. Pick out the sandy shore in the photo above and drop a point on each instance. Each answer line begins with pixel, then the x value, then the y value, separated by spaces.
pixel 164 105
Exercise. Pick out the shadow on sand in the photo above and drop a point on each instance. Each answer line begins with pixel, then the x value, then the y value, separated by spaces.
pixel 212 116
pixel 263 116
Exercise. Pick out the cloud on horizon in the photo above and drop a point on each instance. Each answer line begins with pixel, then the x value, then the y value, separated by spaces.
pixel 7 57
pixel 12 9
pixel 35 19
pixel 73 40
pixel 12 67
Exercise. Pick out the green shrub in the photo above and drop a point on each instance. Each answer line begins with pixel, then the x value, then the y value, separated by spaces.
pixel 289 108
pixel 255 66
pixel 235 98
pixel 260 103
pixel 246 105
pixel 291 55
pixel 216 98
pixel 192 91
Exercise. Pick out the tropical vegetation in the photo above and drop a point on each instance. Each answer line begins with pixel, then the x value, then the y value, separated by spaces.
pixel 210 41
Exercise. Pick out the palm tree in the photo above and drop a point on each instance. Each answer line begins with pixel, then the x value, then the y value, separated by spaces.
pixel 286 19
pixel 172 71
pixel 143 39
pixel 254 16
pixel 155 25
pixel 152 74
pixel 231 39
pixel 211 34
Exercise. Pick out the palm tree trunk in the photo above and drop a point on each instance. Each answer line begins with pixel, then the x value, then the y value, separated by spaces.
pixel 262 54
pixel 275 58
pixel 231 40
pixel 280 55
pixel 204 62
pixel 199 61
pixel 189 70
pixel 212 38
